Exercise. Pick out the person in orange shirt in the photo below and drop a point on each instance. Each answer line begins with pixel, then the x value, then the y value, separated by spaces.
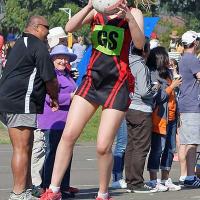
pixel 164 117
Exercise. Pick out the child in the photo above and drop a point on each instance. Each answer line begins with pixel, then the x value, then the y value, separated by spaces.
pixel 163 142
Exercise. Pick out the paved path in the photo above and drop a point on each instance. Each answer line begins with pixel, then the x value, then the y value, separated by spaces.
pixel 85 176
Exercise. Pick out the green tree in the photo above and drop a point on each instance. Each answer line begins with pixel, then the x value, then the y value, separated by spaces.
pixel 188 9
pixel 18 11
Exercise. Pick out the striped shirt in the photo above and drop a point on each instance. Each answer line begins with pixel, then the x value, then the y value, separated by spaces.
pixel 175 55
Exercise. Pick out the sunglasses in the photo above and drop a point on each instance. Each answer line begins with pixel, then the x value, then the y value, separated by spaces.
pixel 46 26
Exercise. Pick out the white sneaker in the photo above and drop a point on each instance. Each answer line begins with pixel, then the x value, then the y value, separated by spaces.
pixel 26 195
pixel 121 184
pixel 171 186
pixel 157 186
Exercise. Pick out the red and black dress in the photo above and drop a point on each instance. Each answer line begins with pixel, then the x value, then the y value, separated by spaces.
pixel 106 80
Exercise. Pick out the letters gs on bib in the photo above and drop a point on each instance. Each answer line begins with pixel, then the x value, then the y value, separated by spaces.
pixel 108 39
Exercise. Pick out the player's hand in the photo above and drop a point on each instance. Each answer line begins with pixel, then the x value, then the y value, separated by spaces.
pixel 90 4
pixel 125 12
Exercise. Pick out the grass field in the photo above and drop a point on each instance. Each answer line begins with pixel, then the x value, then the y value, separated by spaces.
pixel 4 138
pixel 89 133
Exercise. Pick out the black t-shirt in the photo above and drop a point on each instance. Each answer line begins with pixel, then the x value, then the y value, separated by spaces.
pixel 22 85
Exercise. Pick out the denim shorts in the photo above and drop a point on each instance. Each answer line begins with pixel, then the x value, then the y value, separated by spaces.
pixel 190 128
pixel 18 120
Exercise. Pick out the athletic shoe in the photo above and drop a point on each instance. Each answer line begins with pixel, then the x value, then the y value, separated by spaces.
pixel 26 195
pixel 109 198
pixel 157 186
pixel 142 189
pixel 171 186
pixel 73 190
pixel 181 183
pixel 121 184
pixel 50 195
pixel 37 191
pixel 67 195
pixel 195 183
pixel 29 195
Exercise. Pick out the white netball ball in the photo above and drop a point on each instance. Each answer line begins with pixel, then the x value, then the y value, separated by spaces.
pixel 106 6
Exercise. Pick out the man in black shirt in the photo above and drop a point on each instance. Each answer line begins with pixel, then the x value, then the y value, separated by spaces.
pixel 28 75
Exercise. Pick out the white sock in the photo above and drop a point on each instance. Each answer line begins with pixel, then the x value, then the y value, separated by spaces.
pixel 182 178
pixel 103 195
pixel 190 178
pixel 54 188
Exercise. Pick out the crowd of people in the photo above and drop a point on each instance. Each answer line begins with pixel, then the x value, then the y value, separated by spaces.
pixel 150 99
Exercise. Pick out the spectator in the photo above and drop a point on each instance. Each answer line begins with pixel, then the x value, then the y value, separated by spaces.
pixel 139 121
pixel 2 56
pixel 10 42
pixel 79 49
pixel 163 140
pixel 28 73
pixel 106 85
pixel 173 53
pixel 154 40
pixel 52 123
pixel 119 153
pixel 189 107
pixel 58 36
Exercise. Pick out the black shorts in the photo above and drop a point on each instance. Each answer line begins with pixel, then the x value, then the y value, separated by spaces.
pixel 109 92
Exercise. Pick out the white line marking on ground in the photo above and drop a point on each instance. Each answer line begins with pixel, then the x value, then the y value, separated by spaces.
pixel 8 189
pixel 91 159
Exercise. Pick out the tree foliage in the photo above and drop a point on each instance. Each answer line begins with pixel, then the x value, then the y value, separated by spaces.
pixel 188 9
pixel 18 11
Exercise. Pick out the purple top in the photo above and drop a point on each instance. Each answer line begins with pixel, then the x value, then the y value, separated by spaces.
pixel 56 120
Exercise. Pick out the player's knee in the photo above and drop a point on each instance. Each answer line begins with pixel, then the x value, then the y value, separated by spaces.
pixel 68 138
pixel 103 149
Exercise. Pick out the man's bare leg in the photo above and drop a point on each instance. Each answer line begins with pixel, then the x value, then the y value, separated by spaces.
pixel 22 141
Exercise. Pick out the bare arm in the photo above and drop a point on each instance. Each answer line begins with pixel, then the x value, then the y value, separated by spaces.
pixel 52 90
pixel 198 76
pixel 134 17
pixel 84 16
pixel 136 26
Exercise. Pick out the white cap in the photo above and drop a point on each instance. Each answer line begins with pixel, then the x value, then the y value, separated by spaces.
pixel 54 35
pixel 154 43
pixel 189 37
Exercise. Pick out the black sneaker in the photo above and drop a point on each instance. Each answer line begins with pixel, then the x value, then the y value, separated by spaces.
pixel 181 183
pixel 195 183
pixel 142 189
pixel 67 195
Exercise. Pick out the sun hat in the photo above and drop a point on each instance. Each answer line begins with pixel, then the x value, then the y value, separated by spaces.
pixel 10 37
pixel 174 35
pixel 63 50
pixel 189 37
pixel 54 35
